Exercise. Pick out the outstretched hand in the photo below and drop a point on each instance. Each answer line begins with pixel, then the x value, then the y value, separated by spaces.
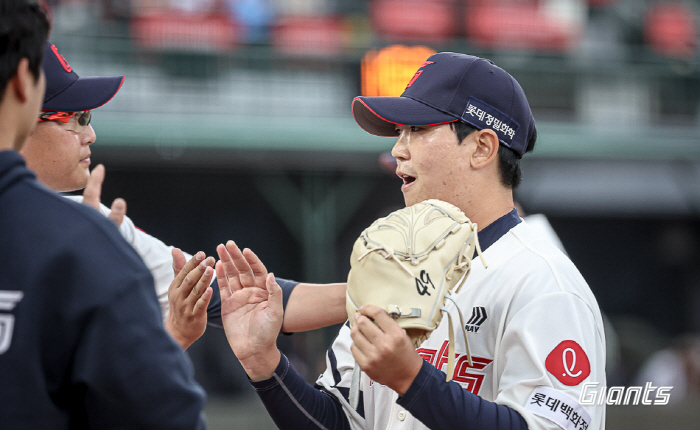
pixel 243 269
pixel 93 191
pixel 189 295
pixel 251 309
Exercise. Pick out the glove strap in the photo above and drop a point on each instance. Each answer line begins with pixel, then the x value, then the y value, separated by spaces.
pixel 354 397
pixel 478 246
pixel 450 351
pixel 451 343
pixel 464 259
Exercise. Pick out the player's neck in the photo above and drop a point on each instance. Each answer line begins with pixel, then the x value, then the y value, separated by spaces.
pixel 489 205
pixel 11 135
pixel 8 135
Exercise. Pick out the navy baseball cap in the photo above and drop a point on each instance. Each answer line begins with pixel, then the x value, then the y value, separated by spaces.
pixel 66 91
pixel 450 87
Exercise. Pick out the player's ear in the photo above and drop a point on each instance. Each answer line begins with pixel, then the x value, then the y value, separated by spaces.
pixel 486 150
pixel 22 81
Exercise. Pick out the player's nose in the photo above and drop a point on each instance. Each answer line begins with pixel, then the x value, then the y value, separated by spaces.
pixel 400 149
pixel 88 136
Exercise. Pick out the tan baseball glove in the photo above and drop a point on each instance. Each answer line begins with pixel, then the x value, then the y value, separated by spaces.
pixel 409 263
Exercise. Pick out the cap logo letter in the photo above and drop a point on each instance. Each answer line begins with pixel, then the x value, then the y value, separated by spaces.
pixel 418 73
pixel 62 60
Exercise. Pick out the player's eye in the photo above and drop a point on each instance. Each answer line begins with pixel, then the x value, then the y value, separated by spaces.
pixel 413 128
pixel 83 118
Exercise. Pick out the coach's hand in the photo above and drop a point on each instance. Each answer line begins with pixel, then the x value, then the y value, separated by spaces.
pixel 383 350
pixel 93 191
pixel 189 295
pixel 251 310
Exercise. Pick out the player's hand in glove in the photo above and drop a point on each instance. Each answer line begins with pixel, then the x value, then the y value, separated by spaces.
pixel 189 295
pixel 383 350
pixel 407 264
pixel 251 310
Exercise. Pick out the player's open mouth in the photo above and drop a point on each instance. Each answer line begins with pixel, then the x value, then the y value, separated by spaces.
pixel 408 180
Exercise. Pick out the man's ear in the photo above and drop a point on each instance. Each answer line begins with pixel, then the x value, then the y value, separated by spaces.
pixel 22 81
pixel 486 148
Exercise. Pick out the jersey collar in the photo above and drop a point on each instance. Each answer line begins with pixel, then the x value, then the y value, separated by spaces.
pixel 492 232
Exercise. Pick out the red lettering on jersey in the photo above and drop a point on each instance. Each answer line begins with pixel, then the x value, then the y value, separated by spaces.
pixel 62 60
pixel 442 355
pixel 463 371
pixel 568 363
pixel 472 381
pixel 427 354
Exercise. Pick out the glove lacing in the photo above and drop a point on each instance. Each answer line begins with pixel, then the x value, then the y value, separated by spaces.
pixel 387 254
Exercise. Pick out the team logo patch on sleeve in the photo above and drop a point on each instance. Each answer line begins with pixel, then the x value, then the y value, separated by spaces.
pixel 568 363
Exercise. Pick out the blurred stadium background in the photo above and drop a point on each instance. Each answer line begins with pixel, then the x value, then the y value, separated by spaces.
pixel 234 122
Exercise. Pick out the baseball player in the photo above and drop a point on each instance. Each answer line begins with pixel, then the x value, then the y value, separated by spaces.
pixel 82 344
pixel 59 150
pixel 533 326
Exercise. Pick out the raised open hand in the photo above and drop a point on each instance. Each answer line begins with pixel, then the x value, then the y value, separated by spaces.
pixel 252 314
pixel 93 192
pixel 189 295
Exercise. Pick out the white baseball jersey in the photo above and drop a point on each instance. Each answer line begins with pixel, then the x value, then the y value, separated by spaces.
pixel 535 334
pixel 155 254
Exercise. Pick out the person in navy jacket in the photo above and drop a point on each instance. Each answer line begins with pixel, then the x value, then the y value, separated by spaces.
pixel 82 344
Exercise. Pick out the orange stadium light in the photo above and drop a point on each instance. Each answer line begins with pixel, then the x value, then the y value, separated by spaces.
pixel 385 72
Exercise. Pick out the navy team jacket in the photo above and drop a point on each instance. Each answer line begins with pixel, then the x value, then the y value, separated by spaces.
pixel 82 344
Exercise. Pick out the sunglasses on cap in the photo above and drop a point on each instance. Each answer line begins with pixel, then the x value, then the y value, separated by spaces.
pixel 74 121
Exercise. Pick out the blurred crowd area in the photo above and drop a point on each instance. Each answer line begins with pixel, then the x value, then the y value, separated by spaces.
pixel 331 27
pixel 603 62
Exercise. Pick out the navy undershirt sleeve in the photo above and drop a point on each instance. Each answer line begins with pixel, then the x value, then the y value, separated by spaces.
pixel 443 405
pixel 214 308
pixel 287 288
pixel 296 405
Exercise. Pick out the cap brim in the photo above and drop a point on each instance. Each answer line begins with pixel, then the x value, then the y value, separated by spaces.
pixel 381 115
pixel 86 93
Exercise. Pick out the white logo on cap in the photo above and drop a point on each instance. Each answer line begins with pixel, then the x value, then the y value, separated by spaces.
pixel 490 121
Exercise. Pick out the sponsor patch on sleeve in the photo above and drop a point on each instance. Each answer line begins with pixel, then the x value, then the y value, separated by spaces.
pixel 558 408
pixel 568 363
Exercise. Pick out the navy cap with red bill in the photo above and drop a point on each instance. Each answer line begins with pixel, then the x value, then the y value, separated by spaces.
pixel 451 87
pixel 68 92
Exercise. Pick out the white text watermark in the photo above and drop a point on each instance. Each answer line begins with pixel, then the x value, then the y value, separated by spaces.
pixel 592 393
